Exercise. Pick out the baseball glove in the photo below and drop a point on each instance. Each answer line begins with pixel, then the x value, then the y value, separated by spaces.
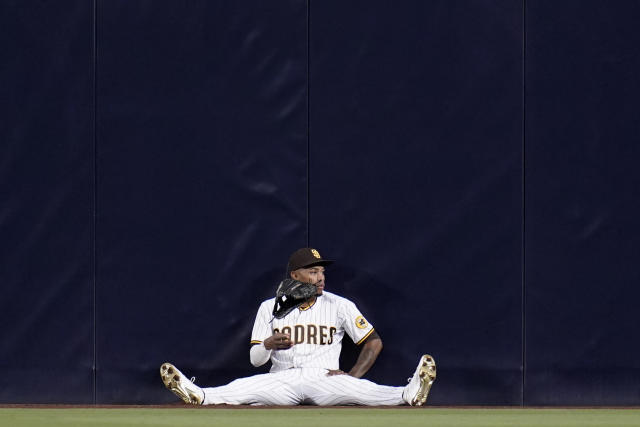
pixel 291 294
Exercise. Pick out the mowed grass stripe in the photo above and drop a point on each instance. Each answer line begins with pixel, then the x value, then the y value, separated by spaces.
pixel 330 417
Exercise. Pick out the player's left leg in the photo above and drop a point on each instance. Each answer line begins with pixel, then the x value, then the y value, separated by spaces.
pixel 323 390
pixel 417 391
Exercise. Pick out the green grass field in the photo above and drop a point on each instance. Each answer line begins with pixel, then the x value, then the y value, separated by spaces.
pixel 330 417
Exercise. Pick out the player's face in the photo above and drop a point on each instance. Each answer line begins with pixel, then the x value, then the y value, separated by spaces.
pixel 313 275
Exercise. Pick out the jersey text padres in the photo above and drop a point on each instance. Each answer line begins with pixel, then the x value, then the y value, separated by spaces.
pixel 316 331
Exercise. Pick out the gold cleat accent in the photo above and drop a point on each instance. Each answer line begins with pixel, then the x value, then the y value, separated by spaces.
pixel 180 385
pixel 417 391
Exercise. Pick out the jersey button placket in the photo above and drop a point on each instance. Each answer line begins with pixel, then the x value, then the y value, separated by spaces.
pixel 294 320
pixel 294 350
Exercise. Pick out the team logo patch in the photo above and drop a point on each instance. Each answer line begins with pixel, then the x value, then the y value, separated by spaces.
pixel 315 253
pixel 361 322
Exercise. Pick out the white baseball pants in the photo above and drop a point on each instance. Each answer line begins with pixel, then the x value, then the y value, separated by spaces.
pixel 303 386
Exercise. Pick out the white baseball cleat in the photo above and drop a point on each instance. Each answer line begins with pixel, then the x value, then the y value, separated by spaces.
pixel 416 392
pixel 180 385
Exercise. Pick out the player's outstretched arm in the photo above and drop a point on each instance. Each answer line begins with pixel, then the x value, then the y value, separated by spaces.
pixel 370 350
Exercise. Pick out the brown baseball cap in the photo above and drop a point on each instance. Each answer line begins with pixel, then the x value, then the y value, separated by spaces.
pixel 305 258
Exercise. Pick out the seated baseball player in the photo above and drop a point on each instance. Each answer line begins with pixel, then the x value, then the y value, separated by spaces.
pixel 300 331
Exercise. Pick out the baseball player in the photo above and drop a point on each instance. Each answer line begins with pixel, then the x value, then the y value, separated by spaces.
pixel 304 346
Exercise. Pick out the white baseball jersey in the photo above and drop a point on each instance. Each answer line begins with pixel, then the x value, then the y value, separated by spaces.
pixel 316 331
pixel 299 374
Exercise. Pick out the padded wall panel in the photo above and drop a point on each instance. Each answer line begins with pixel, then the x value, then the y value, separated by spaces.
pixel 46 182
pixel 415 183
pixel 582 192
pixel 202 150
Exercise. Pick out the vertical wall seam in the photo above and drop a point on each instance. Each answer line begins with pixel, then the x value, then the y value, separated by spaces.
pixel 523 260
pixel 94 200
pixel 308 124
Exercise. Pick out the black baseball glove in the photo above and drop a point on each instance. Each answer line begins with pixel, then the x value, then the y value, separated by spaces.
pixel 291 294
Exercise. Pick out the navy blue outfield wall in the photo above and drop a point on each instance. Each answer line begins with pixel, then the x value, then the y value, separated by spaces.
pixel 470 165
pixel 202 137
pixel 582 204
pixel 415 160
pixel 46 175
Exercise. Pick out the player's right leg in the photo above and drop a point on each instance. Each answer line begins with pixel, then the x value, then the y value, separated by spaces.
pixel 180 385
pixel 278 388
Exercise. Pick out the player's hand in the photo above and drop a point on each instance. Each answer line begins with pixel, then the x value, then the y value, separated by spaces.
pixel 333 372
pixel 278 341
